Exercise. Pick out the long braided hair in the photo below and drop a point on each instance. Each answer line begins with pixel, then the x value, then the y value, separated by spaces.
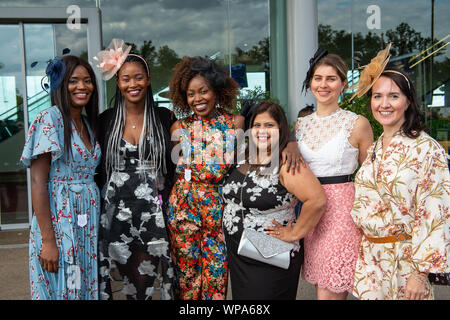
pixel 152 142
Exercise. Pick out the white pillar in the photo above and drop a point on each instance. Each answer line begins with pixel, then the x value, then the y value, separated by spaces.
pixel 302 43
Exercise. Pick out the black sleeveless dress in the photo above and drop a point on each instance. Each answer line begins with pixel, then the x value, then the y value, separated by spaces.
pixel 133 236
pixel 258 199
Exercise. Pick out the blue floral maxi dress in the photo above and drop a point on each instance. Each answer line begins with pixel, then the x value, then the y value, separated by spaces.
pixel 74 207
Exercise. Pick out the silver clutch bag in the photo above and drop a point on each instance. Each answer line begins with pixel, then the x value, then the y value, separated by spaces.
pixel 262 247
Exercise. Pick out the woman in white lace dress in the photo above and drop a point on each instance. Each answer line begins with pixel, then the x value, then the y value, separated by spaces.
pixel 332 142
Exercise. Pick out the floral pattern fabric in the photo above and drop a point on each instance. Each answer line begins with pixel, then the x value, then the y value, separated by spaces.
pixel 196 206
pixel 74 201
pixel 133 234
pixel 253 198
pixel 406 189
pixel 263 198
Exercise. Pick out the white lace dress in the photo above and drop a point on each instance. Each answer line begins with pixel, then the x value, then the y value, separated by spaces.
pixel 331 248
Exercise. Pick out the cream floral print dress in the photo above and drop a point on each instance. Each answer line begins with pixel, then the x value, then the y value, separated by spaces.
pixel 404 190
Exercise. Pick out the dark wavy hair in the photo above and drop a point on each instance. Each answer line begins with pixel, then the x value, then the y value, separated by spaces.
pixel 61 98
pixel 277 113
pixel 225 88
pixel 414 123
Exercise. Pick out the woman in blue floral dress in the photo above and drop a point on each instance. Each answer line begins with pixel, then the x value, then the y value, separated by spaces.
pixel 62 152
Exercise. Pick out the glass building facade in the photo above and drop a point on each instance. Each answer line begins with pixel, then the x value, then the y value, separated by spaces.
pixel 420 34
pixel 250 38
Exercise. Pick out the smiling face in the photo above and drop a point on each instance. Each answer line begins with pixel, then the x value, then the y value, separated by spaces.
pixel 132 81
pixel 200 97
pixel 326 85
pixel 388 104
pixel 80 87
pixel 265 131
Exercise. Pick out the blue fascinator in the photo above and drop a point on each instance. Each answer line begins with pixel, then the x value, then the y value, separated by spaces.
pixel 54 72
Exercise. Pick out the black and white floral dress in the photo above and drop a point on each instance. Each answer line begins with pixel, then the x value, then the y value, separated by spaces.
pixel 133 232
pixel 252 200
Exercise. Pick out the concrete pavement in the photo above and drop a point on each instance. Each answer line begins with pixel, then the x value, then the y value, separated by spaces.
pixel 14 281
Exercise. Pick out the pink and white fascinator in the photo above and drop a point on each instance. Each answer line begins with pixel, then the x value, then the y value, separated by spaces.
pixel 111 59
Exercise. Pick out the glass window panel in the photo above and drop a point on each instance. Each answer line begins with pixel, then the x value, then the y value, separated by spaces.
pixel 419 31
pixel 13 183
pixel 165 31
pixel 42 43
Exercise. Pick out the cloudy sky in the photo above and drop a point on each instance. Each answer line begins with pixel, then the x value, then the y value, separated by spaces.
pixel 195 27
pixel 417 13
pixel 200 27
pixel 190 27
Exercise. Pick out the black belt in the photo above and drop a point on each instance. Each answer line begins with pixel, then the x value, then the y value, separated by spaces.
pixel 335 179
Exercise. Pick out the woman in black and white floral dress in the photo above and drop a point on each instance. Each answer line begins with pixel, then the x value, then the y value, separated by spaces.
pixel 135 177
pixel 264 195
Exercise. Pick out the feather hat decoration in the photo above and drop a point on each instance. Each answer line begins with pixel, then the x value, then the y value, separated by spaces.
pixel 371 72
pixel 111 59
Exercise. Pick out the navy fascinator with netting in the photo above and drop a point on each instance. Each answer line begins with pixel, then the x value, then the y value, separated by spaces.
pixel 54 72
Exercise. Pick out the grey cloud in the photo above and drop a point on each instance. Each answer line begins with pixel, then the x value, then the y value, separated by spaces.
pixel 197 5
pixel 200 32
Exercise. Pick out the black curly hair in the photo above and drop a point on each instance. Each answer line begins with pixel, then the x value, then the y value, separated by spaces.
pixel 225 88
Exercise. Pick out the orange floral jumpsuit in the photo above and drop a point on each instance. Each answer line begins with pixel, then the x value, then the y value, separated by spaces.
pixel 196 206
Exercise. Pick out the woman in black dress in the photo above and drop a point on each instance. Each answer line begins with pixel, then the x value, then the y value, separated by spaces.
pixel 261 196
pixel 136 176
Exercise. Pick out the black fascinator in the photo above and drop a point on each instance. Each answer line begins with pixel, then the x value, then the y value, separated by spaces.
pixel 320 53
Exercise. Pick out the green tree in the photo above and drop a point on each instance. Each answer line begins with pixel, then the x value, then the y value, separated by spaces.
pixel 147 51
pixel 166 59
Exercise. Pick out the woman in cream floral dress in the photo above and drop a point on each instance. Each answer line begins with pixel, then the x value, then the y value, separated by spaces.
pixel 402 197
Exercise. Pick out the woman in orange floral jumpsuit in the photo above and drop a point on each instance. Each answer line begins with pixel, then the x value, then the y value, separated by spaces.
pixel 207 140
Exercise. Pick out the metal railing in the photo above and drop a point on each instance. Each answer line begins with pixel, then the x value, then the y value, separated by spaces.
pixel 11 121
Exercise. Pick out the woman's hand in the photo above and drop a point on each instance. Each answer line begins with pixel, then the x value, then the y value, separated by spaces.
pixel 49 255
pixel 415 286
pixel 283 233
pixel 40 168
pixel 292 157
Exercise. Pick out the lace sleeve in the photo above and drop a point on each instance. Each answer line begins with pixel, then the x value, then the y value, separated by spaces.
pixel 351 119
pixel 298 129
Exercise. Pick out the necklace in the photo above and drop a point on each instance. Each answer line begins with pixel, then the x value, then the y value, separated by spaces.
pixel 133 124
pixel 80 132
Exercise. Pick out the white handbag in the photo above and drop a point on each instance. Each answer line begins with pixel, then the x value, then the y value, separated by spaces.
pixel 265 248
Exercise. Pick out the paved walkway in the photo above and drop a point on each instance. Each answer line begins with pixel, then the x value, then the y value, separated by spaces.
pixel 14 281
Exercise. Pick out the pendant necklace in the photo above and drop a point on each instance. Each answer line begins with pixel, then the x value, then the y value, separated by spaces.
pixel 133 124
pixel 80 132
